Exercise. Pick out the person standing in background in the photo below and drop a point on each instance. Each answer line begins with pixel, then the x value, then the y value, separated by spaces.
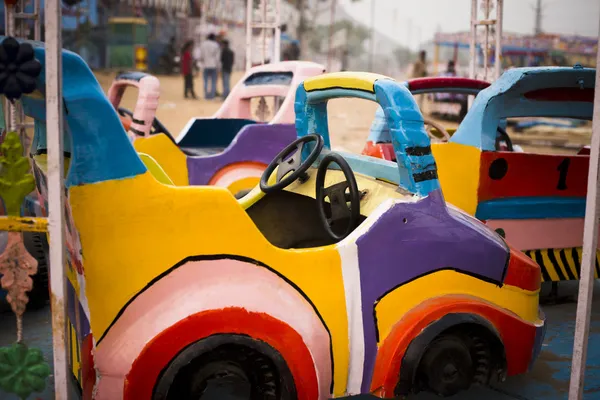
pixel 420 67
pixel 420 71
pixel 210 54
pixel 187 69
pixel 227 60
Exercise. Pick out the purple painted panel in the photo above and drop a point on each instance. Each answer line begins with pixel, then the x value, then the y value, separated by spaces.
pixel 412 240
pixel 72 301
pixel 258 143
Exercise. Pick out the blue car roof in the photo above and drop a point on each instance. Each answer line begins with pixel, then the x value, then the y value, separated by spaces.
pixel 527 92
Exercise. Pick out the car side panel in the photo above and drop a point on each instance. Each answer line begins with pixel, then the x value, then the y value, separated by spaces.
pixel 203 286
pixel 412 240
pixel 157 226
pixel 168 156
pixel 509 175
pixel 458 172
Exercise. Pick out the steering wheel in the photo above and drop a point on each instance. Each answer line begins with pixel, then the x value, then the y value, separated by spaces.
pixel 502 136
pixel 335 211
pixel 157 126
pixel 292 163
pixel 432 124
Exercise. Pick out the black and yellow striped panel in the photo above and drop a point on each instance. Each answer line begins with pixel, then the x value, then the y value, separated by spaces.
pixel 561 264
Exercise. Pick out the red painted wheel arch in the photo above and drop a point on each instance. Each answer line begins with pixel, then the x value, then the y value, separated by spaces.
pixel 517 336
pixel 157 354
pixel 213 282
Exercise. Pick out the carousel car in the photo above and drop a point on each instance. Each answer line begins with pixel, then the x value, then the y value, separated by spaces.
pixel 228 149
pixel 379 144
pixel 537 201
pixel 320 282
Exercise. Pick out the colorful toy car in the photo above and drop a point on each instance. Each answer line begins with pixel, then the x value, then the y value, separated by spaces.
pixel 379 142
pixel 211 151
pixel 536 200
pixel 382 288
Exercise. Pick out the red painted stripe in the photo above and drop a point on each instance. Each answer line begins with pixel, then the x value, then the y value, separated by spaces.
pixel 88 371
pixel 157 354
pixel 517 336
pixel 379 150
pixel 523 272
pixel 446 82
pixel 505 174
pixel 562 94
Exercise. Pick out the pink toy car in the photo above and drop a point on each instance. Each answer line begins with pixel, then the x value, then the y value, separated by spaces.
pixel 228 149
pixel 207 135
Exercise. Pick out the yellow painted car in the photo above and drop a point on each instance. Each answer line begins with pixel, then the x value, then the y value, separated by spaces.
pixel 339 274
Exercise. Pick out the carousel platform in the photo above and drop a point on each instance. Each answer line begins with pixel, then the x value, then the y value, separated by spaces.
pixel 549 379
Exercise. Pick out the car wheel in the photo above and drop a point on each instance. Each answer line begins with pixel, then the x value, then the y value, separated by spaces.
pixel 37 246
pixel 226 366
pixel 447 366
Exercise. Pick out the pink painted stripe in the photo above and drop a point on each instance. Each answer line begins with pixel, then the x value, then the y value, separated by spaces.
pixel 532 234
pixel 206 285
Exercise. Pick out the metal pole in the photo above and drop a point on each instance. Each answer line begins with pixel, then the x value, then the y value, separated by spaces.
pixel 498 56
pixel 10 31
pixel 372 44
pixel 486 40
pixel 277 39
pixel 37 25
pixel 331 22
pixel 264 31
pixel 473 41
pixel 588 259
pixel 54 123
pixel 436 57
pixel 249 10
pixel 408 33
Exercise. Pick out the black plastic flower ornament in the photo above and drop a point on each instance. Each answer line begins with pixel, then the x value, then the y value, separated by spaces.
pixel 18 69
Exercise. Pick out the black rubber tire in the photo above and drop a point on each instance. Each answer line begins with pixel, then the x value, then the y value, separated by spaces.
pixel 447 366
pixel 37 245
pixel 226 365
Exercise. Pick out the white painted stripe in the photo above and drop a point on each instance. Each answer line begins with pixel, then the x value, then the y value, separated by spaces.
pixel 201 286
pixel 234 175
pixel 352 291
pixel 351 273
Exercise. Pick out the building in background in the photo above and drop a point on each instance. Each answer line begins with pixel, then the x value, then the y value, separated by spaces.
pixel 86 25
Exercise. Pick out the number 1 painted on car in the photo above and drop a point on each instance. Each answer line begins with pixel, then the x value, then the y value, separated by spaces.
pixel 563 169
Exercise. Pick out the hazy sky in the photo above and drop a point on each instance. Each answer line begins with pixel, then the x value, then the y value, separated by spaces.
pixel 559 16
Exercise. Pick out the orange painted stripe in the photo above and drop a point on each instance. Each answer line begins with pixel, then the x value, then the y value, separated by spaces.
pixel 517 336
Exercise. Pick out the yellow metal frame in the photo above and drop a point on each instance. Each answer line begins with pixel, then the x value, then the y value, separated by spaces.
pixel 344 80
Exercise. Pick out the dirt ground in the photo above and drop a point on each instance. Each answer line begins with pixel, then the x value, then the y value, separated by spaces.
pixel 349 119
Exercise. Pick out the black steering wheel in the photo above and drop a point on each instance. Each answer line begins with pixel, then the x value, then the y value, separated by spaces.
pixel 337 210
pixel 292 163
pixel 502 136
pixel 157 126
